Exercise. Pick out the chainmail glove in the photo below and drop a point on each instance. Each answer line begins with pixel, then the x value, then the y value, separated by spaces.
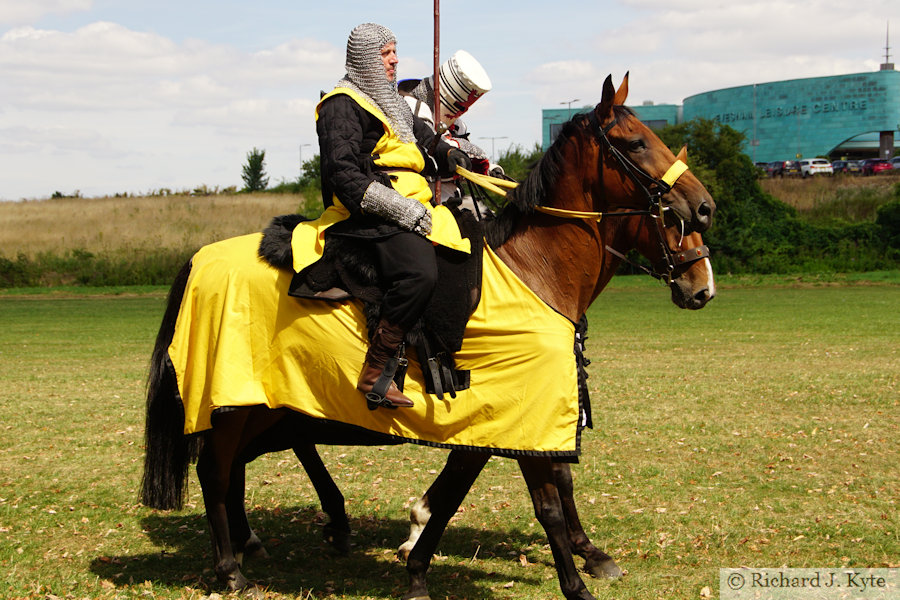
pixel 390 205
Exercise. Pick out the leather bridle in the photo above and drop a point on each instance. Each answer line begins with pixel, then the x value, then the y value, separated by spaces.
pixel 654 189
pixel 671 263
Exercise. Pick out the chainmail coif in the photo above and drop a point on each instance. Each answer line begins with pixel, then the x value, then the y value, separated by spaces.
pixel 366 76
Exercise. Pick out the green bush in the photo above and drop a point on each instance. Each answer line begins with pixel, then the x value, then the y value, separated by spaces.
pixel 754 232
pixel 308 185
pixel 517 162
pixel 887 219
pixel 80 267
pixel 16 273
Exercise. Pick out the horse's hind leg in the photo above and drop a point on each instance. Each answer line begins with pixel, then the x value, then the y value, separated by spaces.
pixel 244 542
pixel 444 497
pixel 337 531
pixel 597 563
pixel 539 477
pixel 418 518
pixel 214 469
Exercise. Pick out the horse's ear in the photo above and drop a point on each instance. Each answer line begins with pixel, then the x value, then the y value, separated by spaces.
pixel 682 154
pixel 622 92
pixel 604 109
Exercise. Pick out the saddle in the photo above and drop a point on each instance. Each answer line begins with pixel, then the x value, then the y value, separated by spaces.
pixel 346 270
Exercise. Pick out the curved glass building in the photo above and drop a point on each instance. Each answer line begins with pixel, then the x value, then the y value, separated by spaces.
pixel 839 116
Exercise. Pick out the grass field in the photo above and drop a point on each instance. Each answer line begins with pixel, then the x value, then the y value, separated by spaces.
pixel 763 431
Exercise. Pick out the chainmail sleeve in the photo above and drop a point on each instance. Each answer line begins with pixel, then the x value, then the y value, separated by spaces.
pixel 392 206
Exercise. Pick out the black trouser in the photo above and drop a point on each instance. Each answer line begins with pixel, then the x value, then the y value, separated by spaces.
pixel 408 268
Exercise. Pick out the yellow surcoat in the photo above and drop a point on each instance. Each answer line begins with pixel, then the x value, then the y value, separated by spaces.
pixel 308 242
pixel 240 340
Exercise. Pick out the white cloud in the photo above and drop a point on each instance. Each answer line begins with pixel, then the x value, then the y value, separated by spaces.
pixel 59 140
pixel 113 94
pixel 698 46
pixel 17 12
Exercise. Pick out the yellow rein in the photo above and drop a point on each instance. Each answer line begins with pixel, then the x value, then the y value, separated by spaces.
pixel 496 185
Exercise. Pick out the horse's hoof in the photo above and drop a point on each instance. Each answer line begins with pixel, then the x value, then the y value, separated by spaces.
pixel 238 584
pixel 603 569
pixel 339 539
pixel 232 578
pixel 418 590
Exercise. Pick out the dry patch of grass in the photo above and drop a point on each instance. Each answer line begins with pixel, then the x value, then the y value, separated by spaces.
pixel 853 193
pixel 103 225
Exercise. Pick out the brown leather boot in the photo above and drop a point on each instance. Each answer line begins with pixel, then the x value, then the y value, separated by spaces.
pixel 377 378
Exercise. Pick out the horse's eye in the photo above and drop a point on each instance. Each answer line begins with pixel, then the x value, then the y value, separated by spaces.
pixel 636 146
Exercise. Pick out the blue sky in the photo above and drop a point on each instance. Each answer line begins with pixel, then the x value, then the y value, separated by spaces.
pixel 107 96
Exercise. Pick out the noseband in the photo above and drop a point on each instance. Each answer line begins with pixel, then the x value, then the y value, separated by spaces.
pixel 655 189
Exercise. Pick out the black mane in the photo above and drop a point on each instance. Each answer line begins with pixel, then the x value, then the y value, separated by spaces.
pixel 531 192
pixel 540 181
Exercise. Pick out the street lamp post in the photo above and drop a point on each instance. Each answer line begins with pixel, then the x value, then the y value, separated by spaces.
pixel 492 144
pixel 569 104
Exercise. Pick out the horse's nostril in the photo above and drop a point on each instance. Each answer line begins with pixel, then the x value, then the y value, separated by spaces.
pixel 705 210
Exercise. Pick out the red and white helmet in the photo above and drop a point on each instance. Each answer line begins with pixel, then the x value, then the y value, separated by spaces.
pixel 463 81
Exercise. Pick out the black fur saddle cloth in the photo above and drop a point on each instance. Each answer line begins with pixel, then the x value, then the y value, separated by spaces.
pixel 346 270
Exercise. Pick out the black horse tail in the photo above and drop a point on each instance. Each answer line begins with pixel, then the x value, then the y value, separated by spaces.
pixel 168 452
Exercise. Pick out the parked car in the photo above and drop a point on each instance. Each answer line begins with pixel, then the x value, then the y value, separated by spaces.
pixel 847 166
pixel 895 162
pixel 780 168
pixel 874 166
pixel 815 166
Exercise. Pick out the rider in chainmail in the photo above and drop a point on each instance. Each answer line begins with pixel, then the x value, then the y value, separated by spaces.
pixel 373 162
pixel 365 75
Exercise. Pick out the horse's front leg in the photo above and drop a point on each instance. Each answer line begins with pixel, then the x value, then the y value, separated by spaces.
pixel 596 562
pixel 539 477
pixel 337 531
pixel 214 469
pixel 443 497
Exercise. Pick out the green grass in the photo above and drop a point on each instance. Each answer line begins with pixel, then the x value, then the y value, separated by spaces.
pixel 760 431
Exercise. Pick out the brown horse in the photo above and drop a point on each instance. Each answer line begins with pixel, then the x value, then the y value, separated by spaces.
pixel 604 162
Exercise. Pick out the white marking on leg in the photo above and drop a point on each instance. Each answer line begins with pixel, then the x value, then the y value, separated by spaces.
pixel 418 518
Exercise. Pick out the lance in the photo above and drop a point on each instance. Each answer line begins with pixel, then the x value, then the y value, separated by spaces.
pixel 437 89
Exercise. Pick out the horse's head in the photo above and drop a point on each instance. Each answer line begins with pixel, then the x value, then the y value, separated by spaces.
pixel 639 171
pixel 638 168
pixel 607 185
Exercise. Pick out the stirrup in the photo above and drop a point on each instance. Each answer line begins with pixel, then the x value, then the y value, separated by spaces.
pixel 377 396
